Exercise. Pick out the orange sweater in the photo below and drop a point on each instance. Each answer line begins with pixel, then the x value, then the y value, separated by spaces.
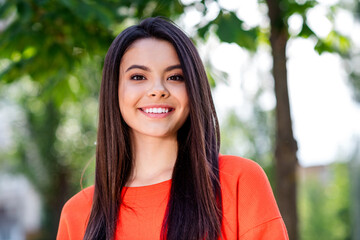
pixel 249 207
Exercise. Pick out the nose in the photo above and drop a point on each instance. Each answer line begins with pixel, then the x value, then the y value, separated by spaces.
pixel 158 90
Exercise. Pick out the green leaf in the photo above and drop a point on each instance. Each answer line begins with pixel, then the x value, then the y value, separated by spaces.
pixel 230 29
pixel 202 32
pixel 292 7
pixel 305 31
pixel 322 47
pixel 334 42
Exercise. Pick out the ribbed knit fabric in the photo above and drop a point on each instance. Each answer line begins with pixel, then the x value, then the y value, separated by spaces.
pixel 249 207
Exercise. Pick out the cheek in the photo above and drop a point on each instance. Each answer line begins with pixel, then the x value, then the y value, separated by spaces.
pixel 122 105
pixel 129 96
pixel 124 99
pixel 126 108
pixel 184 98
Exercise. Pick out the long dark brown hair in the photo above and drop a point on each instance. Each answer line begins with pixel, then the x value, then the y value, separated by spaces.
pixel 194 210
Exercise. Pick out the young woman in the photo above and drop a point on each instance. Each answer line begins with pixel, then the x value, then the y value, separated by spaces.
pixel 159 174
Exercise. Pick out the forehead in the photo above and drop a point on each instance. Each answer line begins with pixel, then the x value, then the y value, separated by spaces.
pixel 150 51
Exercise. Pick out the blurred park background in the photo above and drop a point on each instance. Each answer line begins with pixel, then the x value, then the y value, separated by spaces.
pixel 285 76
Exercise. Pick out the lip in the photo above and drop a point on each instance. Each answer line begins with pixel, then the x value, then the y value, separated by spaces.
pixel 157 115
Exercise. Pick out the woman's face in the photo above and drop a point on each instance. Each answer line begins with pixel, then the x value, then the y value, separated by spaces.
pixel 152 95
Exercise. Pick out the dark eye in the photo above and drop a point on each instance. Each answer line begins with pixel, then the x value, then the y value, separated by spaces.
pixel 137 77
pixel 176 78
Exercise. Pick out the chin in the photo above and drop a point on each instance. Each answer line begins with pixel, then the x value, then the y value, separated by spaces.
pixel 159 133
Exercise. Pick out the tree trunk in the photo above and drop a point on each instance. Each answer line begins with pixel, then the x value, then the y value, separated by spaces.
pixel 54 184
pixel 286 146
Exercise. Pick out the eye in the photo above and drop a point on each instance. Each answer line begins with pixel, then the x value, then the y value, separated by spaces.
pixel 177 77
pixel 137 77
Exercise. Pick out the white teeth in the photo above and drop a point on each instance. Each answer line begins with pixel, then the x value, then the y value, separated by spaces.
pixel 156 110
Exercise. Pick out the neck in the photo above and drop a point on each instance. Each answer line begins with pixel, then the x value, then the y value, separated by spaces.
pixel 154 159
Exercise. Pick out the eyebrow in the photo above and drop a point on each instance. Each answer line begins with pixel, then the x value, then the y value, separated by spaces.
pixel 142 67
pixel 172 67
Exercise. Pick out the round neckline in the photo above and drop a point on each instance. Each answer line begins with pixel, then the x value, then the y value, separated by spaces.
pixel 147 190
pixel 150 185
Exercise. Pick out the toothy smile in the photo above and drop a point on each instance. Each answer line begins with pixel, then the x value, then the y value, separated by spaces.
pixel 157 110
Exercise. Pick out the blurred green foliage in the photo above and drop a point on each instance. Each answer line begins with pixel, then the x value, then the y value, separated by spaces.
pixel 51 55
pixel 324 203
pixel 229 28
pixel 355 192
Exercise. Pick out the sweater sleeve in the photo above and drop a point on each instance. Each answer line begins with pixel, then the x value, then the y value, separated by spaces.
pixel 271 230
pixel 258 212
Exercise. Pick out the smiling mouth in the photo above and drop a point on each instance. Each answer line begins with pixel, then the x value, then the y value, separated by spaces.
pixel 160 110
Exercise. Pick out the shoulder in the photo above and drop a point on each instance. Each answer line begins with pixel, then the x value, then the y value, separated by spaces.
pixel 238 167
pixel 81 199
pixel 79 206
pixel 75 214
pixel 241 175
pixel 249 206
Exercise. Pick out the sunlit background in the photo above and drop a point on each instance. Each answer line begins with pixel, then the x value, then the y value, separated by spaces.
pixel 325 109
pixel 326 117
